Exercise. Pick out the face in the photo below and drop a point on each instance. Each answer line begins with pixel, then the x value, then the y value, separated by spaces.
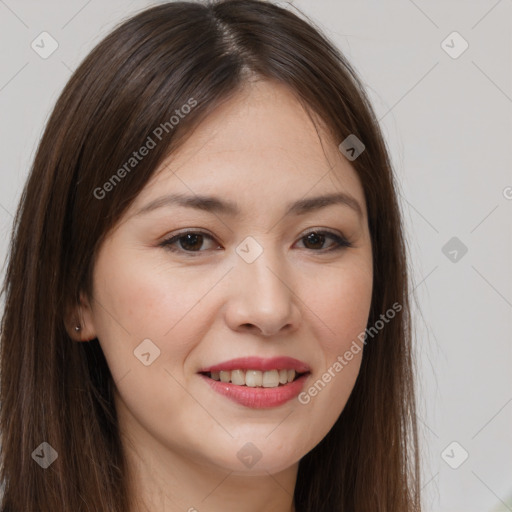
pixel 283 289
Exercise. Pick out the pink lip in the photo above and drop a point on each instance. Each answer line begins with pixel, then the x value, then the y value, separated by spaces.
pixel 258 398
pixel 261 364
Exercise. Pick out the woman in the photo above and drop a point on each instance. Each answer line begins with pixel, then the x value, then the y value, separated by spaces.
pixel 206 302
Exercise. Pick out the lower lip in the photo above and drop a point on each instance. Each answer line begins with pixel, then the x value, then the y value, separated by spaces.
pixel 258 398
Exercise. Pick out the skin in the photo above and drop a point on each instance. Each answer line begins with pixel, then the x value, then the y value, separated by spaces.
pixel 261 150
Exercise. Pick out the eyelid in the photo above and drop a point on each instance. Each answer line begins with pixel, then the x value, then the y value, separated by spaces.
pixel 341 241
pixel 167 242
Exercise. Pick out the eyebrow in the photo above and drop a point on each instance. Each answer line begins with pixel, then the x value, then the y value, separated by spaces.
pixel 217 205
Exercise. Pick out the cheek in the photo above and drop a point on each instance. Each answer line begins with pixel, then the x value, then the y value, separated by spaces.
pixel 342 305
pixel 144 298
pixel 139 299
pixel 341 300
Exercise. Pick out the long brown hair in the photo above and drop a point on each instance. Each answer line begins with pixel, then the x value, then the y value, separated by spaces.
pixel 60 392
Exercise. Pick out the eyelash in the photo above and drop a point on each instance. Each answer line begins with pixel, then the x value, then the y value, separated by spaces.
pixel 341 242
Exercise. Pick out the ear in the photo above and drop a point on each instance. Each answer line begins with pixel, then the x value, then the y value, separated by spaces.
pixel 80 316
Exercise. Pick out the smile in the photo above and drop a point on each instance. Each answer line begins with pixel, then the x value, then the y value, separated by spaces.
pixel 255 378
pixel 255 382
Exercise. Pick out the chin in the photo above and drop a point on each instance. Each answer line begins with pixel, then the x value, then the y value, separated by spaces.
pixel 261 456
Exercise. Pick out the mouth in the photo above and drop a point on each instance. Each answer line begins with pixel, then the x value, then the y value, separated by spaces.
pixel 256 382
pixel 256 378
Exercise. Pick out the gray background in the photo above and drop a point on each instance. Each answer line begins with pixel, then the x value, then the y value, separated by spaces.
pixel 448 125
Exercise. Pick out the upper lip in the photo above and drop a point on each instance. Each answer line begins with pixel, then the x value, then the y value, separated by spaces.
pixel 259 363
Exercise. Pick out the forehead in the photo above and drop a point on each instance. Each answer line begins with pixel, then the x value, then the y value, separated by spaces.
pixel 260 144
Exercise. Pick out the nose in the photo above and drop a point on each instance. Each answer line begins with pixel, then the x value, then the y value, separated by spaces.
pixel 262 299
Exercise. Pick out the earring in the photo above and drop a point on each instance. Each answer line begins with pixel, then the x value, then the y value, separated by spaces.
pixel 77 327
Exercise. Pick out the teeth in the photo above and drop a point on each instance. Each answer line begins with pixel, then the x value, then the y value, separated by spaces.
pixel 255 378
pixel 271 379
pixel 238 377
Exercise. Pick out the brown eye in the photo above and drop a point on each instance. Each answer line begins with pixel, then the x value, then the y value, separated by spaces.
pixel 191 242
pixel 315 240
pixel 188 242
